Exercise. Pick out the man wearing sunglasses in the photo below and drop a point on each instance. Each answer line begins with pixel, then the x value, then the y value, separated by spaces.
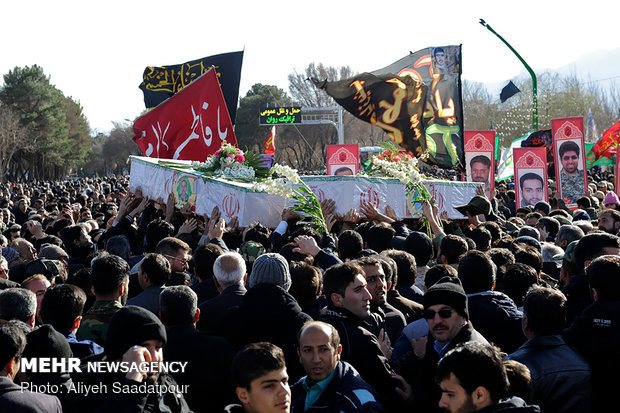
pixel 571 177
pixel 447 315
pixel 176 252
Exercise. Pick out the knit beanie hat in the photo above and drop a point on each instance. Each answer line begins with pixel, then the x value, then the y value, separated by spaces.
pixel 10 254
pixel 130 326
pixel 270 268
pixel 45 341
pixel 448 291
pixel 611 198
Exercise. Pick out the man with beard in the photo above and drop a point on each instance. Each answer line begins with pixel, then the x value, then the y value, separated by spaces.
pixel 480 166
pixel 110 279
pixel 77 244
pixel 531 189
pixel 377 286
pixel 609 221
pixel 571 177
pixel 177 254
pixel 473 378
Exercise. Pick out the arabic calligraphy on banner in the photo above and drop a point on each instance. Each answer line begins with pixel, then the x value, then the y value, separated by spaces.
pixel 439 68
pixel 274 116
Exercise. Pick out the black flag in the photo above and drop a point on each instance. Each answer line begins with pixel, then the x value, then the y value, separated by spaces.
pixel 508 91
pixel 439 68
pixel 161 82
pixel 393 103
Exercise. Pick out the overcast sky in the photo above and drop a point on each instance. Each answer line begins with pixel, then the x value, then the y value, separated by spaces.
pixel 96 51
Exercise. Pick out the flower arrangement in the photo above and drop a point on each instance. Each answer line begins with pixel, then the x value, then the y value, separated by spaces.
pixel 231 162
pixel 393 163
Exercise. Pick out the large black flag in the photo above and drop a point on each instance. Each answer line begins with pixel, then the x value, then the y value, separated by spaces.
pixel 439 68
pixel 393 103
pixel 161 82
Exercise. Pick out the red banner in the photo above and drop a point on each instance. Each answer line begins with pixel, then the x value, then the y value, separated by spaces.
pixel 480 158
pixel 570 159
pixel 191 125
pixel 610 139
pixel 530 176
pixel 270 142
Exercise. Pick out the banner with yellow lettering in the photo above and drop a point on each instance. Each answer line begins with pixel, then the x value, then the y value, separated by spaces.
pixel 442 143
pixel 416 100
pixel 395 104
pixel 162 82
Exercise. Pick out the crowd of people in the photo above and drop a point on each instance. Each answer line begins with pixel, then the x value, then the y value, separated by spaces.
pixel 508 309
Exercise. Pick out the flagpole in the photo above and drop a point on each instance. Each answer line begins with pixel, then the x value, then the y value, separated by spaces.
pixel 529 69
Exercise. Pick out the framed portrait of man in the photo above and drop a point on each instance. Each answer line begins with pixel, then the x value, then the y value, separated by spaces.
pixel 480 158
pixel 569 159
pixel 530 176
pixel 184 189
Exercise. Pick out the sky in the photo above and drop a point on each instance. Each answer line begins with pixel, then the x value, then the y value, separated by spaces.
pixel 96 52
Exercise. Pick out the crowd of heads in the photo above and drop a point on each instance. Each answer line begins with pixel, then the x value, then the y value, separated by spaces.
pixel 74 250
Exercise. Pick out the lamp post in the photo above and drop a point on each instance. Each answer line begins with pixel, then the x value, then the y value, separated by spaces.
pixel 529 69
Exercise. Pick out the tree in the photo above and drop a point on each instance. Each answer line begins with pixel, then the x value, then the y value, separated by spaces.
pixel 42 110
pixel 309 147
pixel 247 129
pixel 80 141
pixel 57 130
pixel 118 146
pixel 11 135
pixel 303 90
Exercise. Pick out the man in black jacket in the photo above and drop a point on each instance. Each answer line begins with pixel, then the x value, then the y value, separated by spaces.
pixel 493 313
pixel 135 337
pixel 561 378
pixel 348 306
pixel 473 379
pixel 229 277
pixel 14 398
pixel 596 333
pixel 446 311
pixel 330 384
pixel 208 357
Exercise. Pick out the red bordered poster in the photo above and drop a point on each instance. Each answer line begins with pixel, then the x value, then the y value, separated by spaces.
pixel 569 157
pixel 480 158
pixel 343 159
pixel 530 176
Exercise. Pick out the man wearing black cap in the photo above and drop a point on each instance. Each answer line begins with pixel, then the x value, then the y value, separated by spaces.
pixel 14 398
pixel 135 336
pixel 447 315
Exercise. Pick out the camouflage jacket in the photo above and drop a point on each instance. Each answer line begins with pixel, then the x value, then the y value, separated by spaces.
pixel 95 321
pixel 572 186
